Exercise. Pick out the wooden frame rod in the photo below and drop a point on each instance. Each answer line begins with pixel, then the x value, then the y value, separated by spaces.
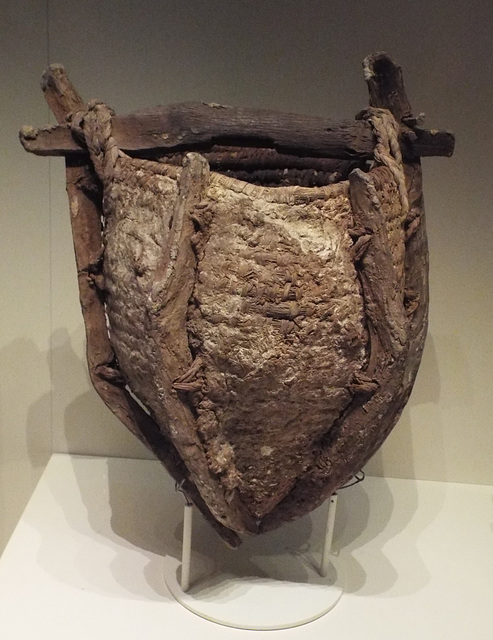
pixel 201 126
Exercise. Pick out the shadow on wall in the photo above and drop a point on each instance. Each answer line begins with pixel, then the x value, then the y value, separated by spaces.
pixel 147 512
pixel 136 520
pixel 25 435
pixel 23 361
pixel 367 519
pixel 82 423
pixel 397 457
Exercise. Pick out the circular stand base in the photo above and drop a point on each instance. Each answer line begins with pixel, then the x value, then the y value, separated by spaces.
pixel 255 601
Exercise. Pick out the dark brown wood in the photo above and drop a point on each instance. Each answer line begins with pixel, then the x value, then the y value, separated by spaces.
pixel 248 159
pixel 386 85
pixel 198 126
pixel 107 379
pixel 60 94
pixel 397 324
pixel 270 369
pixel 374 409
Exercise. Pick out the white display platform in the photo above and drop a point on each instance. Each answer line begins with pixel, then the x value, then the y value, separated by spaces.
pixel 246 590
pixel 231 598
pixel 86 559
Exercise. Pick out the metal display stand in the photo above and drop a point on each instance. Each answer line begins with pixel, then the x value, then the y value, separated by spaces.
pixel 239 598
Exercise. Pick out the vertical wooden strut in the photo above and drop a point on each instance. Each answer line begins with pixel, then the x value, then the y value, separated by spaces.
pixel 394 359
pixel 85 200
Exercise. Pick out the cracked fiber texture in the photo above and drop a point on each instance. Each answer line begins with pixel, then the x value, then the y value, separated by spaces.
pixel 138 215
pixel 277 319
pixel 264 327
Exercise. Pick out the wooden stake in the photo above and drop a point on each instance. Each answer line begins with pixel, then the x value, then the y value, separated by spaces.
pixel 85 214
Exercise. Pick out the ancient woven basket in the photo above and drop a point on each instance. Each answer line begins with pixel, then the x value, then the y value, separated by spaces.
pixel 256 317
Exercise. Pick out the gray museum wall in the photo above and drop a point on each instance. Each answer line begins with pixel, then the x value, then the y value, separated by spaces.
pixel 25 387
pixel 294 56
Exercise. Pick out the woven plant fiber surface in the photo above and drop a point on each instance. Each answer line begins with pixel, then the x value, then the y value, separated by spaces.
pixel 238 318
pixel 254 286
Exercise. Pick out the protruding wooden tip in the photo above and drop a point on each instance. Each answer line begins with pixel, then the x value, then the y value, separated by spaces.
pixel 50 73
pixel 59 92
pixel 386 85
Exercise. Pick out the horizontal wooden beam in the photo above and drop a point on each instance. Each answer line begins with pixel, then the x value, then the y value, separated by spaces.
pixel 200 126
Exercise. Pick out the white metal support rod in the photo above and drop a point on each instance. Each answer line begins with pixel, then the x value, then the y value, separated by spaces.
pixel 186 550
pixel 329 532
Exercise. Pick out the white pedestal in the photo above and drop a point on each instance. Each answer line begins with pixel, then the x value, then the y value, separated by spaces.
pixel 245 596
pixel 256 600
pixel 86 559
